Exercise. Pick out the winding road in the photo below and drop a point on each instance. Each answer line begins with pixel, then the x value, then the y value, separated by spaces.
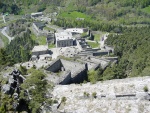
pixel 3 31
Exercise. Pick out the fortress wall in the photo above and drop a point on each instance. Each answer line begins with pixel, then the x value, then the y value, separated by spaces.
pixel 67 79
pixel 100 53
pixel 40 53
pixel 55 66
pixel 80 75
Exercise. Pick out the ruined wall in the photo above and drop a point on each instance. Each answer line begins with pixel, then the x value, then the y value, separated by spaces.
pixel 55 66
pixel 78 45
pixel 66 79
pixel 40 53
pixel 80 76
pixel 100 53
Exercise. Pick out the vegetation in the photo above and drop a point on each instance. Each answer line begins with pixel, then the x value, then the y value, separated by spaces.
pixel 41 40
pixel 94 44
pixel 86 94
pixel 133 52
pixel 63 99
pixel 146 9
pixel 5 59
pixel 74 15
pixel 94 94
pixel 4 39
pixel 9 7
pixel 51 45
pixel 36 85
pixel 49 29
pixel 23 70
pixel 97 37
pixel 6 104
pixel 145 88
pixel 94 75
pixel 22 47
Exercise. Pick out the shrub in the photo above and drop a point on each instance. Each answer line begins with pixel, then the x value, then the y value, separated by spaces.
pixel 63 99
pixel 86 94
pixel 94 94
pixel 23 70
pixel 55 101
pixel 145 89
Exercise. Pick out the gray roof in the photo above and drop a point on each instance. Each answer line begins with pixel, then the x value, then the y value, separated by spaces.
pixel 39 24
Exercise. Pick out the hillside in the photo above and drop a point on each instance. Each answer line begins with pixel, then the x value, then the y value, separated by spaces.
pixel 107 11
pixel 75 56
pixel 133 50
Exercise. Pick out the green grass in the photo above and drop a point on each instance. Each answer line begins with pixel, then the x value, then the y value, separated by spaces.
pixel 5 39
pixel 41 40
pixel 146 9
pixel 33 37
pixel 49 29
pixel 93 44
pixel 51 46
pixel 97 37
pixel 74 15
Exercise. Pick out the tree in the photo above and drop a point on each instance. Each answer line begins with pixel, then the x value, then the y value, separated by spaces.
pixel 36 85
pixel 23 70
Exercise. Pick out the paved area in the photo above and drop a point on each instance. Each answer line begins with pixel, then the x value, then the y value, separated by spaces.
pixel 64 51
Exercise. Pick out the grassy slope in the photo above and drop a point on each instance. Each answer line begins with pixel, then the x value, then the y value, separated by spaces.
pixel 108 12
pixel 94 44
pixel 146 9
pixel 74 15
pixel 4 39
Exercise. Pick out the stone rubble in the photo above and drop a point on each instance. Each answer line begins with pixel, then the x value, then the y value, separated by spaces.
pixel 113 96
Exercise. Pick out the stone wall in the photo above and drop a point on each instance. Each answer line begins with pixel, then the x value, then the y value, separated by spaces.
pixel 74 71
pixel 40 53
pixel 66 79
pixel 100 53
pixel 55 66
pixel 78 45
pixel 64 43
pixel 80 75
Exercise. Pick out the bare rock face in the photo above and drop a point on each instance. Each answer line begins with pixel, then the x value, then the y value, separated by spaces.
pixel 114 96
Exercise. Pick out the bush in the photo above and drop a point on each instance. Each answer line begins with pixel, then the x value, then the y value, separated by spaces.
pixel 63 99
pixel 94 94
pixel 145 89
pixel 55 101
pixel 23 70
pixel 86 94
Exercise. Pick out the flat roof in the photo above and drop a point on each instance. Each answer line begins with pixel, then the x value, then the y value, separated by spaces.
pixel 40 48
pixel 39 24
pixel 42 57
pixel 36 13
pixel 63 35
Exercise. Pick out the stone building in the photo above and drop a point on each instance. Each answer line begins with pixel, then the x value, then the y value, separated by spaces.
pixel 34 15
pixel 40 52
pixel 38 27
pixel 50 38
pixel 77 30
pixel 68 71
pixel 64 39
